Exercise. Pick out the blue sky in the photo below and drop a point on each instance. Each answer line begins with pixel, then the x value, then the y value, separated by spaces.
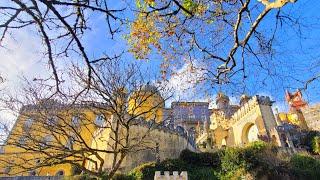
pixel 297 57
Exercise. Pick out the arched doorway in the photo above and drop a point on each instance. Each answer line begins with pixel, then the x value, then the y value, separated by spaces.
pixel 224 142
pixel 250 133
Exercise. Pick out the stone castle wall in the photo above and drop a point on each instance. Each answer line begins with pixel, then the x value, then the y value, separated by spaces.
pixel 160 143
pixel 312 117
pixel 163 145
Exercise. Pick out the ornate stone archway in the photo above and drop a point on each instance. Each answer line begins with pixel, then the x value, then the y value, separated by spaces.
pixel 250 133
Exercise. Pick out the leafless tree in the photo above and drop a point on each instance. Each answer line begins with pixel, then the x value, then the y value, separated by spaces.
pixel 62 130
pixel 61 25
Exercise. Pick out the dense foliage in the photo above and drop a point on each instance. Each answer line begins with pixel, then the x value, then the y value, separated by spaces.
pixel 305 167
pixel 200 159
pixel 146 171
pixel 255 161
pixel 310 140
pixel 316 144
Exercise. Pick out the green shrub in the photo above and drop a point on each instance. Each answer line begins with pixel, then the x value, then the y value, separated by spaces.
pixel 81 177
pixel 239 162
pixel 232 164
pixel 316 144
pixel 143 171
pixel 147 171
pixel 307 138
pixel 305 167
pixel 257 146
pixel 200 159
pixel 255 161
pixel 122 177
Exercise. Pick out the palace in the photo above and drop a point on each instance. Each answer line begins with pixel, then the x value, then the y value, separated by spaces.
pixel 191 125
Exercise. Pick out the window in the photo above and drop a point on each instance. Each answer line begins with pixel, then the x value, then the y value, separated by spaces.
pixel 60 173
pixel 32 173
pixel 22 140
pixel 75 121
pixel 1 149
pixel 51 121
pixel 70 143
pixel 28 123
pixel 192 116
pixel 46 141
pixel 100 120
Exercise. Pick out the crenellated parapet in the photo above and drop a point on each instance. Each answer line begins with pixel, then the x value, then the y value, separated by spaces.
pixel 250 106
pixel 175 175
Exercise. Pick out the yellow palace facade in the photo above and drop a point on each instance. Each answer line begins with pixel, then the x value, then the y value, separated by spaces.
pixel 67 133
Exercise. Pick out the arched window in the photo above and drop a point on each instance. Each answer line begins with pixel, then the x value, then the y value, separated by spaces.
pixel 100 120
pixel 70 142
pixel 75 121
pixel 60 173
pixel 180 129
pixel 224 142
pixel 28 123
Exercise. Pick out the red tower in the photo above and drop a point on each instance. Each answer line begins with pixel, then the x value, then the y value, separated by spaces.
pixel 295 101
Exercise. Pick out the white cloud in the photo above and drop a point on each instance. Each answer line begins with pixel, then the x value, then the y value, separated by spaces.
pixel 20 56
pixel 188 84
pixel 187 81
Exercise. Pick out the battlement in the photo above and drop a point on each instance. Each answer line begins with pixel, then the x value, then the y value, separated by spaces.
pixel 175 176
pixel 52 105
pixel 254 102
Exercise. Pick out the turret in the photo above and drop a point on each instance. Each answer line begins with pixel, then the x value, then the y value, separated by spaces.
pixel 244 99
pixel 222 101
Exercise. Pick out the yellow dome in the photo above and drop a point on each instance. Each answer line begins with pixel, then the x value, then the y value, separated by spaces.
pixel 147 103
